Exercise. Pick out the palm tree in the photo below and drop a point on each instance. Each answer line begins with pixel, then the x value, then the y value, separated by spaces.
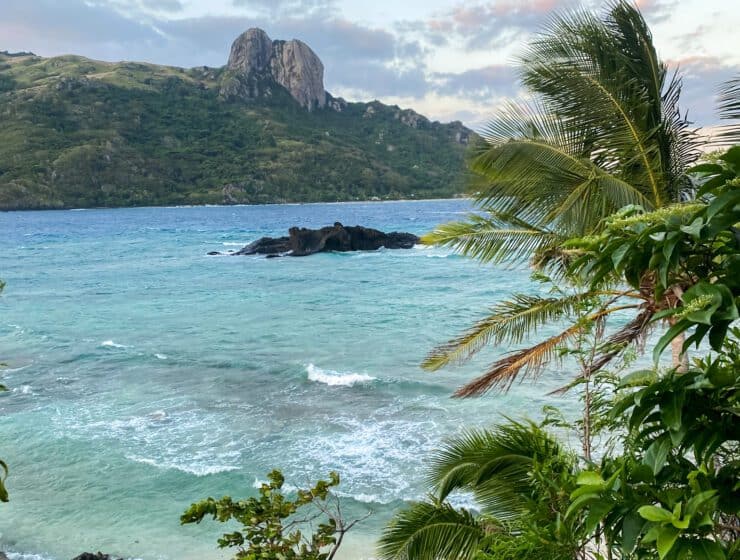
pixel 603 131
pixel 511 472
pixel 729 109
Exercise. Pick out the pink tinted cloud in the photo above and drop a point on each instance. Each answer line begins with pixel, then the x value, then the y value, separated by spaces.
pixel 468 17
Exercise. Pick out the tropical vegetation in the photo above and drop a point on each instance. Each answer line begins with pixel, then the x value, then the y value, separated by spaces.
pixel 604 131
pixel 84 133
pixel 308 527
pixel 595 182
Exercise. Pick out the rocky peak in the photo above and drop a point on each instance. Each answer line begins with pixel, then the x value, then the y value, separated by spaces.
pixel 255 61
pixel 250 52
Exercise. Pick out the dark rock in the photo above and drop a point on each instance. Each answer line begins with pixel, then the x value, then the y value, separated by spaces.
pixel 266 246
pixel 209 253
pixel 303 241
pixel 94 556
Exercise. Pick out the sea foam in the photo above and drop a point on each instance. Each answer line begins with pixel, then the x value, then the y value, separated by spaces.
pixel 335 378
pixel 111 344
pixel 192 468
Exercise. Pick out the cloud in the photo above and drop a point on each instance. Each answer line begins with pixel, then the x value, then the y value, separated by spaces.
pixel 281 8
pixel 657 11
pixel 702 76
pixel 479 84
pixel 48 25
pixel 481 26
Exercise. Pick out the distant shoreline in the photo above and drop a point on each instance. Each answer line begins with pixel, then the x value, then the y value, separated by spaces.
pixel 260 204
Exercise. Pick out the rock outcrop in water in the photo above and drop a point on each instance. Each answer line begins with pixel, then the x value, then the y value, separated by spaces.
pixel 303 241
pixel 94 556
pixel 256 63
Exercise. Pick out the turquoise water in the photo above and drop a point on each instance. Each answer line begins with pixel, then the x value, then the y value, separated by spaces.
pixel 145 375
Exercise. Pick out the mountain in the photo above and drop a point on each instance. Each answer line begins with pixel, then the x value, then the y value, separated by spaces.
pixel 262 129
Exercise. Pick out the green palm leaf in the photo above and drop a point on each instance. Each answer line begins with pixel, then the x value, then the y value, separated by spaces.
pixel 509 321
pixel 530 361
pixel 427 531
pixel 495 465
pixel 729 109
pixel 491 238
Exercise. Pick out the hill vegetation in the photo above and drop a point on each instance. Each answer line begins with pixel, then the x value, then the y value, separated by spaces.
pixel 83 133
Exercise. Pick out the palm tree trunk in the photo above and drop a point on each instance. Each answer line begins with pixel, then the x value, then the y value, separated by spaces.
pixel 680 359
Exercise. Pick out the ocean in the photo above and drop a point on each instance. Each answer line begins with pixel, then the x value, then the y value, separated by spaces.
pixel 145 375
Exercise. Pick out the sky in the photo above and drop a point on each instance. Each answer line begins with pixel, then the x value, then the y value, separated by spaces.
pixel 447 59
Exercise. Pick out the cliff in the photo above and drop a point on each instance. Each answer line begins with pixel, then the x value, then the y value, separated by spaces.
pixel 256 63
pixel 262 129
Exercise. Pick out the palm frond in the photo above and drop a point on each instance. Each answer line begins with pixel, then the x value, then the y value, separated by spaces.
pixel 427 531
pixel 492 238
pixel 604 76
pixel 509 321
pixel 495 465
pixel 633 332
pixel 729 109
pixel 538 169
pixel 529 362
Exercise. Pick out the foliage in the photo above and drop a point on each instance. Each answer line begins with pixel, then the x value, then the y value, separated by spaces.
pixel 604 131
pixel 520 478
pixel 83 133
pixel 729 109
pixel 675 488
pixel 271 526
pixel 687 256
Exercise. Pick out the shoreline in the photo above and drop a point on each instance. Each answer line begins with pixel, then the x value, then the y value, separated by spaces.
pixel 256 204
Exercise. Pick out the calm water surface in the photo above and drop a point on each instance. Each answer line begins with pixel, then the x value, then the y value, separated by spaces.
pixel 145 375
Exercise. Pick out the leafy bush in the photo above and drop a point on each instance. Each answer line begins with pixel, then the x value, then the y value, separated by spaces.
pixel 271 525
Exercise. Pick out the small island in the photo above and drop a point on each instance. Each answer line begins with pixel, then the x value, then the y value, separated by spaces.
pixel 302 242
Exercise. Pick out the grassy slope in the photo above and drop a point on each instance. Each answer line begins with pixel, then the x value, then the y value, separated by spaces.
pixel 80 133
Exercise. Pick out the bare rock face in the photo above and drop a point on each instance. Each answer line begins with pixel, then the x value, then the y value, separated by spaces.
pixel 297 68
pixel 256 61
pixel 250 52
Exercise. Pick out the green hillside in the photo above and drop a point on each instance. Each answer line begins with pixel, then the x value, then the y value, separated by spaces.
pixel 82 133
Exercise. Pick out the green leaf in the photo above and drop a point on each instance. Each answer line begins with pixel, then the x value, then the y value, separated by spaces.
pixel 706 168
pixel 590 478
pixel 655 513
pixel 720 376
pixel 666 339
pixel 666 537
pixel 671 409
pixel 694 228
pixel 656 455
pixel 732 156
pixel 597 512
pixel 631 529
pixel 619 254
pixel 700 499
pixel 581 502
pixel 681 522
pixel 705 549
pixel 639 378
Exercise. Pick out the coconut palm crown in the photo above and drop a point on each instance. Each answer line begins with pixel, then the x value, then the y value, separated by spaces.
pixel 603 130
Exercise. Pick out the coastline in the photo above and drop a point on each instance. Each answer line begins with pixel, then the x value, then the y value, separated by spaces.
pixel 257 204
